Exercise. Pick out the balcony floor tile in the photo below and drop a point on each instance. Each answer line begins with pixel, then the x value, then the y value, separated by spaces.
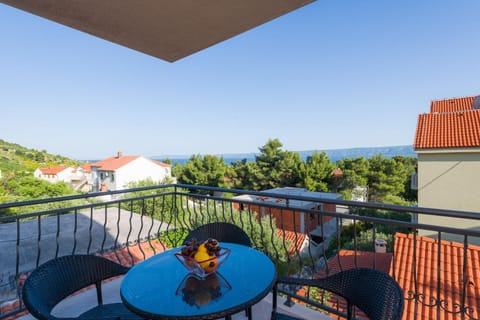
pixel 81 302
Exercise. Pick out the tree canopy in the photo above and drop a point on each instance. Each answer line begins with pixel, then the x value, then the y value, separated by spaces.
pixel 385 179
pixel 208 170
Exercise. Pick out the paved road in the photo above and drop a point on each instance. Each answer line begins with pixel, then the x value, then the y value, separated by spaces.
pixel 91 237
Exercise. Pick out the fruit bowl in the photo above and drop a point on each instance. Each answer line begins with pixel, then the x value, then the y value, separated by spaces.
pixel 202 268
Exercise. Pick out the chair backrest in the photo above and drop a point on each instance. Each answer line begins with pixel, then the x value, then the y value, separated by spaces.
pixel 222 231
pixel 375 292
pixel 56 279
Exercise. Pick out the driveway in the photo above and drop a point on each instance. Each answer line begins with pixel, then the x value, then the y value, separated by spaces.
pixel 76 234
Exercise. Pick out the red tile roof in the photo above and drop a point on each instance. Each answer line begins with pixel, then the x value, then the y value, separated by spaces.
pixel 161 164
pixel 337 172
pixel 349 259
pixel 451 275
pixel 53 170
pixel 448 130
pixel 116 162
pixel 87 167
pixel 401 267
pixel 296 240
pixel 136 253
pixel 452 105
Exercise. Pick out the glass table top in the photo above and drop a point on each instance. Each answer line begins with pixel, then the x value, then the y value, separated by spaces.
pixel 163 288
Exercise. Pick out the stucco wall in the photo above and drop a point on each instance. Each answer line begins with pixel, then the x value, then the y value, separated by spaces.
pixel 140 169
pixel 449 181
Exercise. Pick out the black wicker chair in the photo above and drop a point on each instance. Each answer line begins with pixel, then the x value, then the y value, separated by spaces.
pixel 374 292
pixel 222 231
pixel 58 278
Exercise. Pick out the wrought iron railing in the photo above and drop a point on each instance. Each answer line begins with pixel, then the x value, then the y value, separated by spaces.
pixel 306 236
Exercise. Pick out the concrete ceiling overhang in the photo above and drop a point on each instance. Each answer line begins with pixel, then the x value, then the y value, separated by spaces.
pixel 166 29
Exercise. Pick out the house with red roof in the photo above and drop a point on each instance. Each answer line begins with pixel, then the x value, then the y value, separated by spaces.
pixel 117 172
pixel 447 142
pixel 306 231
pixel 53 174
pixel 293 217
pixel 77 177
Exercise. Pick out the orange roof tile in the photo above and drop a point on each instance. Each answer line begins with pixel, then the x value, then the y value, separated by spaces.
pixel 116 162
pixel 448 130
pixel 337 172
pixel 87 167
pixel 451 275
pixel 349 259
pixel 452 105
pixel 136 253
pixel 161 164
pixel 295 238
pixel 448 264
pixel 53 170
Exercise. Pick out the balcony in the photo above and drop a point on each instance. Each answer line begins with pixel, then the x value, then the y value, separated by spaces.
pixel 436 265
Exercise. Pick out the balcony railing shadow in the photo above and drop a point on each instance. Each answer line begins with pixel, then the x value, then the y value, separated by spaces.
pixel 304 236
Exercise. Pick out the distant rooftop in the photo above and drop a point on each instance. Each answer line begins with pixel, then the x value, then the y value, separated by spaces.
pixel 452 105
pixel 452 123
pixel 291 191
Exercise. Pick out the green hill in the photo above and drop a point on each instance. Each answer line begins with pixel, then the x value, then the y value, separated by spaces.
pixel 14 158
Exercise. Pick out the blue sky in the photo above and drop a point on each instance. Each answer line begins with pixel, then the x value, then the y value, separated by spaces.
pixel 333 74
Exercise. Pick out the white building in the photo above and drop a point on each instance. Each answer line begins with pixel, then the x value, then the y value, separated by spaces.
pixel 54 174
pixel 78 177
pixel 117 172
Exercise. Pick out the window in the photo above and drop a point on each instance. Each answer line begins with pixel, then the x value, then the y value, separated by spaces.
pixel 112 177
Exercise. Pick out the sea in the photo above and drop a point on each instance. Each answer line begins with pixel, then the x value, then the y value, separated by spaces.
pixel 333 154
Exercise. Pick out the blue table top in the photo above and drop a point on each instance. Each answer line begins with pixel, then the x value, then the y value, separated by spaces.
pixel 161 288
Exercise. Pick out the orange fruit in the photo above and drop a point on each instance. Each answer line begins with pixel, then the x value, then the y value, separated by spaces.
pixel 202 248
pixel 209 263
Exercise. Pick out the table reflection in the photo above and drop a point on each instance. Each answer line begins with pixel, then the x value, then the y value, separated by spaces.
pixel 200 292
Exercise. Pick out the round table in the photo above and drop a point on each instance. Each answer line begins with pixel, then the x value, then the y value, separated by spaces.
pixel 162 288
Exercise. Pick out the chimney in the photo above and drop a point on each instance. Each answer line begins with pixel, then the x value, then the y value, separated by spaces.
pixel 380 246
pixel 119 154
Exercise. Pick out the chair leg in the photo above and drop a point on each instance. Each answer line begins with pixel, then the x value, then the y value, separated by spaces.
pixel 99 292
pixel 274 297
pixel 349 311
pixel 248 313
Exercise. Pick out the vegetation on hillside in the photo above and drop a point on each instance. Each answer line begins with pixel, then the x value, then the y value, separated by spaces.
pixel 14 159
pixel 17 182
